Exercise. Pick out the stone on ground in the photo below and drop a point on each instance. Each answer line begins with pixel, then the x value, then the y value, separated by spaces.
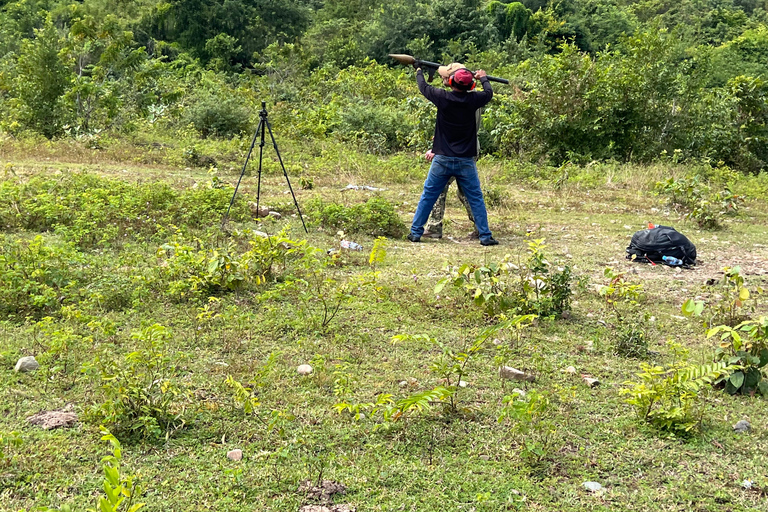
pixel 26 364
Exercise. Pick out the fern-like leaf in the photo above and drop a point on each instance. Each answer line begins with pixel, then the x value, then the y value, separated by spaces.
pixel 423 399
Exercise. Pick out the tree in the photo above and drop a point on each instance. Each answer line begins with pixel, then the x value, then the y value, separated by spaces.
pixel 42 80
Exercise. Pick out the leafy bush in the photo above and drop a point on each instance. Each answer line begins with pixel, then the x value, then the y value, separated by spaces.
pixel 533 425
pixel 142 388
pixel 118 486
pixel 318 289
pixel 698 202
pixel 378 128
pixel 36 279
pixel 668 397
pixel 200 272
pixel 623 297
pixel 533 287
pixel 217 115
pixel 375 217
pixel 746 346
pixel 392 410
pixel 734 300
pixel 8 441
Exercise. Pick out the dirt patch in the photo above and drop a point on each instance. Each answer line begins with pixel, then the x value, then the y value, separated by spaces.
pixel 53 419
pixel 319 498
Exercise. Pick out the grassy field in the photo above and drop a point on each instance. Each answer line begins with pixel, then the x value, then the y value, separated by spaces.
pixel 86 276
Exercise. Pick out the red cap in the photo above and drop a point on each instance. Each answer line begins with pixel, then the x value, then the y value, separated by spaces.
pixel 463 77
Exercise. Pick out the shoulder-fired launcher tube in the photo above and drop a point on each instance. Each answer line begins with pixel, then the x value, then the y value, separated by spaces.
pixel 410 60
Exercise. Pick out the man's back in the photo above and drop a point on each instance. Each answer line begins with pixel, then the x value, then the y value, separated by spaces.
pixel 456 126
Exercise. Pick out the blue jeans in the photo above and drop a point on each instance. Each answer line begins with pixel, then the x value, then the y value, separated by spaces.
pixel 465 172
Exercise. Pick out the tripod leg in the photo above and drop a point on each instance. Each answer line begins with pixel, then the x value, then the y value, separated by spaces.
pixel 285 173
pixel 262 123
pixel 245 165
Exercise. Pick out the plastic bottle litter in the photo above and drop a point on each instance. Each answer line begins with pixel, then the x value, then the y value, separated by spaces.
pixel 672 261
pixel 352 246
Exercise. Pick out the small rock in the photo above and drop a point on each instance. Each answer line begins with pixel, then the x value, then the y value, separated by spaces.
pixel 519 392
pixel 742 426
pixel 26 364
pixel 463 384
pixel 593 383
pixel 304 369
pixel 509 373
pixel 235 455
pixel 275 215
pixel 262 211
pixel 485 457
pixel 747 484
pixel 53 419
pixel 570 369
pixel 403 383
pixel 592 486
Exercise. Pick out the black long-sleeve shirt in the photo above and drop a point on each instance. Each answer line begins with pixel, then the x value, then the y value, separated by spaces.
pixel 456 126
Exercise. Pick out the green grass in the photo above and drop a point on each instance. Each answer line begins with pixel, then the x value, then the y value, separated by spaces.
pixel 434 461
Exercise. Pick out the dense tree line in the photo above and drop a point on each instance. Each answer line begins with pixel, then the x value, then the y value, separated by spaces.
pixel 595 79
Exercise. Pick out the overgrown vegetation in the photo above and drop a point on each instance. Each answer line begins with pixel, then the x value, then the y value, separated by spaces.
pixel 532 286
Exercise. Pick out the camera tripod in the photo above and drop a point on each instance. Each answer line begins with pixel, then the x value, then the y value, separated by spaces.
pixel 261 130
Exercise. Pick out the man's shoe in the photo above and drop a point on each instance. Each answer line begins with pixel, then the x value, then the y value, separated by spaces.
pixel 489 241
pixel 414 238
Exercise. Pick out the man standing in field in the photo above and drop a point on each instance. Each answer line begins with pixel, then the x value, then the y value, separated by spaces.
pixel 455 145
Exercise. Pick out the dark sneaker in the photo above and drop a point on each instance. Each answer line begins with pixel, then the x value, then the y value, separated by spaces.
pixel 433 234
pixel 489 241
pixel 414 238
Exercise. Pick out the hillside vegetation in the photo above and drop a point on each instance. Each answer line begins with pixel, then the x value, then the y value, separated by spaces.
pixel 593 80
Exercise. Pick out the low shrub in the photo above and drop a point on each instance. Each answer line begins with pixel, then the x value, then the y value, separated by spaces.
pixel 200 271
pixel 745 345
pixel 669 397
pixel 375 217
pixel 696 199
pixel 36 279
pixel 93 211
pixel 215 115
pixel 530 287
pixel 142 389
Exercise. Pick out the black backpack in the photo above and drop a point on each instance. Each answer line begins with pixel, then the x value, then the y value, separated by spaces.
pixel 652 244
